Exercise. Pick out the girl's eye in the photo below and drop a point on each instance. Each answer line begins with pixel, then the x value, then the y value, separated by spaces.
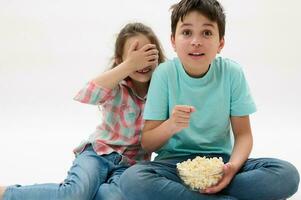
pixel 207 33
pixel 186 32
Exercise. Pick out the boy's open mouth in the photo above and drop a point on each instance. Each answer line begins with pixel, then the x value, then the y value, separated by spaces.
pixel 144 70
pixel 196 54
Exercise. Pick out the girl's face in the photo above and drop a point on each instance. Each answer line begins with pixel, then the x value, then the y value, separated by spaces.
pixel 145 74
pixel 196 42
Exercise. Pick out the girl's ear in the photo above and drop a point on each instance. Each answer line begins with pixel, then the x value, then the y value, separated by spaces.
pixel 221 45
pixel 173 43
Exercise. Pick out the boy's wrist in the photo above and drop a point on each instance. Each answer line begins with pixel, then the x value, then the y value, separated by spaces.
pixel 170 129
pixel 235 166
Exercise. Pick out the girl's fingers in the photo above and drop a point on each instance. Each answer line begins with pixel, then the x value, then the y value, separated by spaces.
pixel 133 46
pixel 152 57
pixel 148 47
pixel 152 52
pixel 152 63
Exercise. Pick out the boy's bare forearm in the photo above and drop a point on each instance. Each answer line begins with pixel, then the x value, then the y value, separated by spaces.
pixel 241 150
pixel 243 141
pixel 155 135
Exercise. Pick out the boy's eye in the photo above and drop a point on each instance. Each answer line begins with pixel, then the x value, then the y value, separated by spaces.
pixel 186 32
pixel 207 33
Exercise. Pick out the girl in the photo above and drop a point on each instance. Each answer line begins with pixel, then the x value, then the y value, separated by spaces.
pixel 115 144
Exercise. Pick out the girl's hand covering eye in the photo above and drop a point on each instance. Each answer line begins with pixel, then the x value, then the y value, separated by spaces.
pixel 141 58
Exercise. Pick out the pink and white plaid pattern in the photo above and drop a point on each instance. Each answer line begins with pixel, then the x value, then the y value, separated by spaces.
pixel 121 121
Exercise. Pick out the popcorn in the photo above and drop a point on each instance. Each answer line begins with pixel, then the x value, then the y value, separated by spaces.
pixel 201 172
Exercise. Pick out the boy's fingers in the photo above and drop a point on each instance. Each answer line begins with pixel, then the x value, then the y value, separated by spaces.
pixel 185 108
pixel 182 120
pixel 183 115
pixel 192 109
pixel 224 181
pixel 183 124
pixel 215 189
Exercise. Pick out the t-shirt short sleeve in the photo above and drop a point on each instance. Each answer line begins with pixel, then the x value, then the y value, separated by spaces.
pixel 156 107
pixel 241 100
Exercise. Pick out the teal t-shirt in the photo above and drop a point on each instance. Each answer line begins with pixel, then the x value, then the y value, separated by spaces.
pixel 221 93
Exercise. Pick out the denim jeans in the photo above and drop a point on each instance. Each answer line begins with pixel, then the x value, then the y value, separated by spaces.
pixel 91 177
pixel 258 179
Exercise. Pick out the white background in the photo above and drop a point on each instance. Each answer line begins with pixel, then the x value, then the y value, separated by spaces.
pixel 49 49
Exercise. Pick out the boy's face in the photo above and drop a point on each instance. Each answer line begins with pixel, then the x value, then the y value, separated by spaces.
pixel 196 42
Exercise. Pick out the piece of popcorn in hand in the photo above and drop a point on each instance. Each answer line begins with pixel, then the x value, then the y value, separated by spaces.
pixel 201 172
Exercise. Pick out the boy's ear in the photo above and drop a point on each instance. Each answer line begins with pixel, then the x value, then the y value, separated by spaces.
pixel 172 39
pixel 221 45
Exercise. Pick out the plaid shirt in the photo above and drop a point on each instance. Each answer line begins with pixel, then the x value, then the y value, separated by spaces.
pixel 122 122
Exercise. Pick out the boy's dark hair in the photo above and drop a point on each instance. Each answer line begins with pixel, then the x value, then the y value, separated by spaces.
pixel 212 9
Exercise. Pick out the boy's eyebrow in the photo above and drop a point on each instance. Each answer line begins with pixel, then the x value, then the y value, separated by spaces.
pixel 189 24
pixel 209 24
pixel 185 24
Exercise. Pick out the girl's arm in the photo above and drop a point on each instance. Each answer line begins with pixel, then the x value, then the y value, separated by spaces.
pixel 102 88
pixel 157 132
pixel 134 60
pixel 112 77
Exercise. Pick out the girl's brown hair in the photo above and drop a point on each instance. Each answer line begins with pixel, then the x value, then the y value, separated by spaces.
pixel 131 30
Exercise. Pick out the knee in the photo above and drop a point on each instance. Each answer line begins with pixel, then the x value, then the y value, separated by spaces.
pixel 131 181
pixel 73 192
pixel 294 178
pixel 109 192
pixel 128 179
pixel 290 177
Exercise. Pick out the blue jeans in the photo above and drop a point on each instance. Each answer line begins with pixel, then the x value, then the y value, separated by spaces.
pixel 258 179
pixel 91 177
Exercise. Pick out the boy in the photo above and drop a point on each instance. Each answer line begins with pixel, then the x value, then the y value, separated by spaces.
pixel 193 102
